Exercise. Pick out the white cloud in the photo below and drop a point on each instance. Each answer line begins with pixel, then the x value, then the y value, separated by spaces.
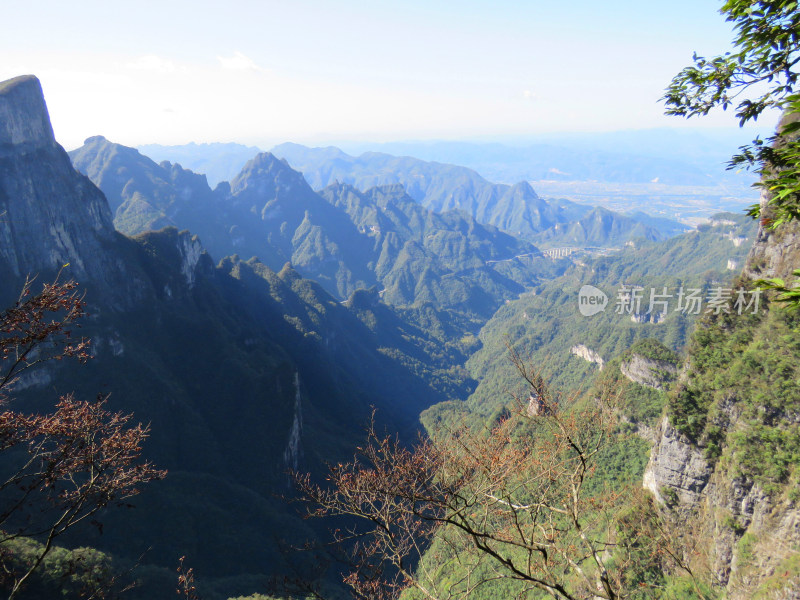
pixel 151 62
pixel 239 62
pixel 528 95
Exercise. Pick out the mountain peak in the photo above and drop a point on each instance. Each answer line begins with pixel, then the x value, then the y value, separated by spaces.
pixel 523 187
pixel 266 165
pixel 95 139
pixel 23 113
pixel 267 160
pixel 53 215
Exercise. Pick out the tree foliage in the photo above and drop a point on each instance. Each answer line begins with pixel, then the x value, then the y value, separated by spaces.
pixel 58 469
pixel 37 329
pixel 510 507
pixel 760 75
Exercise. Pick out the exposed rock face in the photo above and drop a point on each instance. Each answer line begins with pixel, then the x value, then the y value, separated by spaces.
pixel 647 371
pixel 23 114
pixel 677 464
pixel 751 533
pixel 643 317
pixel 587 354
pixel 776 252
pixel 735 240
pixel 50 215
pixel 720 509
pixel 191 251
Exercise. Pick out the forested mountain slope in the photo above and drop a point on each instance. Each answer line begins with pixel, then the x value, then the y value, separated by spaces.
pixel 547 325
pixel 242 371
pixel 727 451
pixel 342 238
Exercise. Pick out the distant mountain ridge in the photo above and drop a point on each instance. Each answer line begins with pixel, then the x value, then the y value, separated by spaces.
pixel 673 156
pixel 670 173
pixel 438 186
pixel 598 227
pixel 217 161
pixel 342 238
pixel 516 209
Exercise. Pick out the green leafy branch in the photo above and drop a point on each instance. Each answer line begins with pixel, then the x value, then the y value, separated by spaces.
pixel 767 43
pixel 767 34
pixel 790 296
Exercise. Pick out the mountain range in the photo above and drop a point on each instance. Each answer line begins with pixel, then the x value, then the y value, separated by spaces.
pixel 218 161
pixel 341 237
pixel 672 156
pixel 516 208
pixel 260 325
pixel 243 371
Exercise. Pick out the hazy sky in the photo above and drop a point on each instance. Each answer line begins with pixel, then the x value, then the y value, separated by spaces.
pixel 263 72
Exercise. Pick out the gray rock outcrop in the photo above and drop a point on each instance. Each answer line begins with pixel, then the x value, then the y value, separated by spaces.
pixel 24 121
pixel 49 214
pixel 587 354
pixel 776 252
pixel 678 465
pixel 647 371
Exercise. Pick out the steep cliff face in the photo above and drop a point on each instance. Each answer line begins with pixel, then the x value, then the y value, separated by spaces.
pixel 647 371
pixel 50 215
pixel 776 252
pixel 725 458
pixel 23 114
pixel 677 465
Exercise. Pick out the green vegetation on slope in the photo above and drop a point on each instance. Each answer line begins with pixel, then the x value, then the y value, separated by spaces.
pixel 546 325
pixel 743 387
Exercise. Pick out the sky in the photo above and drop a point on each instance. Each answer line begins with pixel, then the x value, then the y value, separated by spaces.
pixel 310 71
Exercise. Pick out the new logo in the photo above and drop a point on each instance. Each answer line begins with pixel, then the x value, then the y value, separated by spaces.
pixel 591 300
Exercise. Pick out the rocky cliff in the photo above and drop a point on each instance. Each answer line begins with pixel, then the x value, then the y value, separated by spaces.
pixel 725 456
pixel 23 114
pixel 587 354
pixel 647 371
pixel 776 252
pixel 50 215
